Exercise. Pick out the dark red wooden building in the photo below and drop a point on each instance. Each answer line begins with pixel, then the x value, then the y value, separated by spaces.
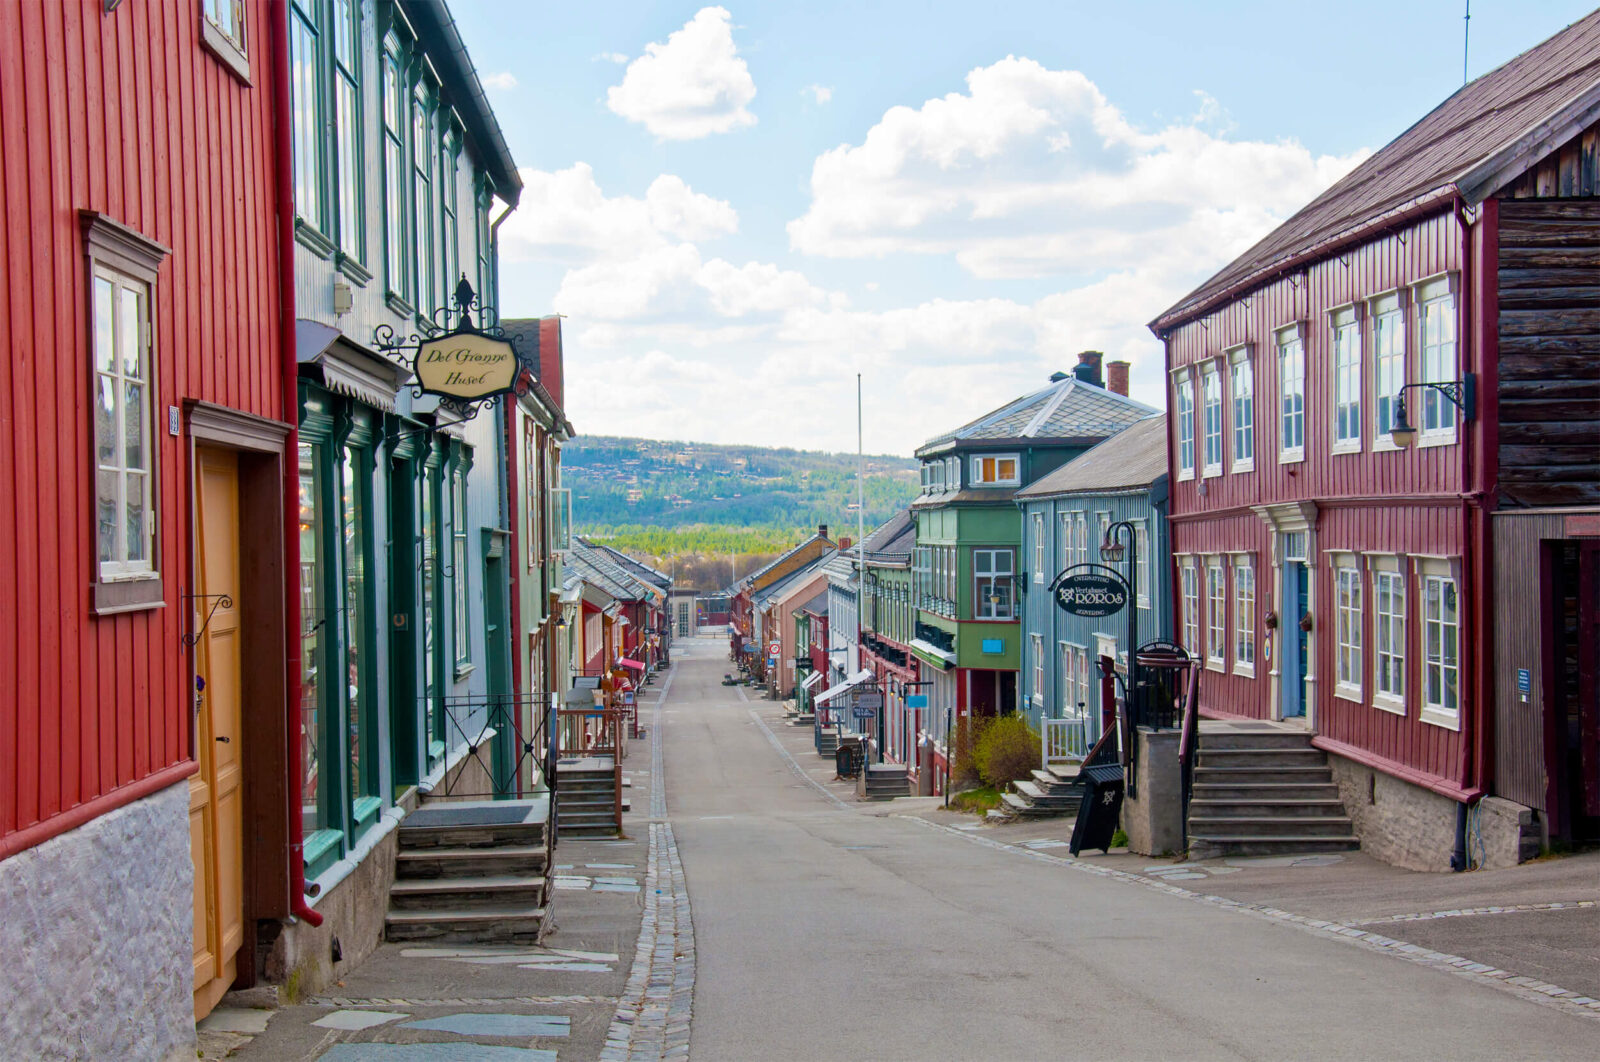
pixel 1334 572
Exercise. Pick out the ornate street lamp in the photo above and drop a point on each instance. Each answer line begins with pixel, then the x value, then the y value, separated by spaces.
pixel 1111 551
pixel 1460 393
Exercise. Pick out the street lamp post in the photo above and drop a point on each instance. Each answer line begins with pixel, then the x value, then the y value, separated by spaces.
pixel 1111 551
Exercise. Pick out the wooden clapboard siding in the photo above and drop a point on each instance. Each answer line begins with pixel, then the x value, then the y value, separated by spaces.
pixel 1549 337
pixel 128 115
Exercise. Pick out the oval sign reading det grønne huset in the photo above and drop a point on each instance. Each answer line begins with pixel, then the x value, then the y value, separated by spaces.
pixel 466 366
pixel 1088 594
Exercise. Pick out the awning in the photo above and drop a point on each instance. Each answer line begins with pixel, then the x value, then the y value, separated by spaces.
pixel 932 653
pixel 811 680
pixel 625 662
pixel 848 684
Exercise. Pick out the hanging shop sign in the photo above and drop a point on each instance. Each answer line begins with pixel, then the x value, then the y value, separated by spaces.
pixel 868 698
pixel 1091 593
pixel 465 367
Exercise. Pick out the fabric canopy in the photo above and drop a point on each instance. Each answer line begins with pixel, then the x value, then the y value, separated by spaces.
pixel 625 662
pixel 811 680
pixel 848 684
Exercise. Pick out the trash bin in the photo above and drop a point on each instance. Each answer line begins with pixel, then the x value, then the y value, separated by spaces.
pixel 1100 809
pixel 847 758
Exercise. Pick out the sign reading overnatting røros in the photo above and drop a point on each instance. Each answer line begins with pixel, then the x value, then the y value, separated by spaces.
pixel 1091 595
pixel 466 366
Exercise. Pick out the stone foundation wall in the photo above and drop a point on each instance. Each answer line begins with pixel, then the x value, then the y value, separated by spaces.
pixel 97 938
pixel 1153 820
pixel 1415 828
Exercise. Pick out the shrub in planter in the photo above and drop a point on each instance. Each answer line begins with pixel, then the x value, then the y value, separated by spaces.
pixel 1007 749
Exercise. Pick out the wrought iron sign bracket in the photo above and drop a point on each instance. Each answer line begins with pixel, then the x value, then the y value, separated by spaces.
pixel 222 601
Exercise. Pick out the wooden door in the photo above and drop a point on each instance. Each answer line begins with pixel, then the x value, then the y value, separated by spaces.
pixel 216 792
pixel 1589 676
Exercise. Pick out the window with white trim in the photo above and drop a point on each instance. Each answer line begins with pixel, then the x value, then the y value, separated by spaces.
pixel 1066 677
pixel 1291 396
pixel 1388 365
pixel 1038 548
pixel 1349 623
pixel 1190 577
pixel 1216 614
pixel 1064 540
pixel 952 473
pixel 992 584
pixel 1244 615
pixel 1184 401
pixel 1436 323
pixel 1211 397
pixel 124 446
pixel 1388 634
pixel 1085 677
pixel 1441 644
pixel 1346 381
pixel 1242 375
pixel 1141 543
pixel 1036 645
pixel 1083 539
pixel 1000 470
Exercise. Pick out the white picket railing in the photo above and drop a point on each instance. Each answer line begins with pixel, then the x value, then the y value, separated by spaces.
pixel 1064 741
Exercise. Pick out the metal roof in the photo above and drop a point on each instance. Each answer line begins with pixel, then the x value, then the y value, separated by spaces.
pixel 892 541
pixel 818 605
pixel 1485 134
pixel 1134 457
pixel 1067 409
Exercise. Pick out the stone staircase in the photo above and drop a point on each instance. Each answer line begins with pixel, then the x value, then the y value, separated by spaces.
pixel 473 872
pixel 1052 791
pixel 884 781
pixel 1264 792
pixel 586 799
pixel 828 742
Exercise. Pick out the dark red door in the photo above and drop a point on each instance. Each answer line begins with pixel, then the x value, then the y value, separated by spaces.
pixel 1589 675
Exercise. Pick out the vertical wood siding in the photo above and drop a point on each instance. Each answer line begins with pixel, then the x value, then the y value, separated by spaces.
pixel 126 114
pixel 1520 592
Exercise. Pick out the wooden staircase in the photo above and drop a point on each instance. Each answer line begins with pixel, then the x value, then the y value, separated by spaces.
pixel 471 871
pixel 1264 792
pixel 885 781
pixel 1053 790
pixel 586 799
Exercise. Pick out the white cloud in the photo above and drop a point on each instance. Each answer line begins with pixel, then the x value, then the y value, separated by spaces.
pixel 1033 172
pixel 673 284
pixel 818 93
pixel 609 57
pixel 564 216
pixel 505 80
pixel 691 86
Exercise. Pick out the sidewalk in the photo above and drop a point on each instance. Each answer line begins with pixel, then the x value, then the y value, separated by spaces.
pixel 1540 920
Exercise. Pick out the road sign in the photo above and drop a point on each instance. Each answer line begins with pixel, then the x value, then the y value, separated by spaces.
pixel 864 713
pixel 917 700
pixel 774 648
pixel 869 699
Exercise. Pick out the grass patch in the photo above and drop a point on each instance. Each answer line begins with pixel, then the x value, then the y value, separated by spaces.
pixel 1119 839
pixel 976 801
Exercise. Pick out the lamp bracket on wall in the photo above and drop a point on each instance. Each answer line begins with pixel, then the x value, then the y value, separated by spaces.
pixel 218 601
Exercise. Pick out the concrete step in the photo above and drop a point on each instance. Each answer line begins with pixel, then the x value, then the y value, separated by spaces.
pixel 579 830
pixel 523 834
pixel 586 800
pixel 566 820
pixel 467 893
pixel 433 862
pixel 1283 757
pixel 1265 791
pixel 1039 795
pixel 1022 807
pixel 1269 827
pixel 510 924
pixel 1225 845
pixel 1316 774
pixel 1283 808
pixel 606 786
pixel 1225 740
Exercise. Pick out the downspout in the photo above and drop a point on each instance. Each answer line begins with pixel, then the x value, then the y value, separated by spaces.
pixel 283 144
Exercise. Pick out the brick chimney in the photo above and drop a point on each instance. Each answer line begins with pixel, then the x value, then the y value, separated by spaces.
pixel 844 544
pixel 822 529
pixel 1088 368
pixel 1117 377
pixel 550 358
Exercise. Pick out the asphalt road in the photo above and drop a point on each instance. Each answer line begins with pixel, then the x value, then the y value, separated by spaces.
pixel 826 933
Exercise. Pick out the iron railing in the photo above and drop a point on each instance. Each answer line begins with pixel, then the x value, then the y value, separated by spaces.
pixel 509 754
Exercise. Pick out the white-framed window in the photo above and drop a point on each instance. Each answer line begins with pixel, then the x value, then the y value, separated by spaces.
pixel 1441 644
pixel 1105 534
pixel 998 470
pixel 1346 324
pixel 1189 576
pixel 1244 614
pixel 952 473
pixel 992 578
pixel 1216 614
pixel 1211 419
pixel 1141 542
pixel 1183 401
pixel 1388 364
pixel 1083 538
pixel 1436 333
pixel 1349 622
pixel 1291 395
pixel 1066 677
pixel 458 578
pixel 1242 379
pixel 1085 677
pixel 1036 645
pixel 1064 540
pixel 124 443
pixel 1388 633
pixel 1039 553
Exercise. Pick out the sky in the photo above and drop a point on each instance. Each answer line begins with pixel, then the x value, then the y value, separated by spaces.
pixel 738 208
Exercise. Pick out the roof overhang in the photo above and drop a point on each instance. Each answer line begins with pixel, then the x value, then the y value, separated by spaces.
pixel 347 367
pixel 848 684
pixel 932 654
pixel 1522 154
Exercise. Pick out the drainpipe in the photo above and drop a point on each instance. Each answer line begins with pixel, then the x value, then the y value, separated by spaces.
pixel 283 144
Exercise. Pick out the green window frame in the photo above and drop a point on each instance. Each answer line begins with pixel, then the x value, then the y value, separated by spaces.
pixel 320 834
pixel 310 124
pixel 431 573
pixel 361 756
pixel 396 171
pixel 450 232
pixel 461 613
pixel 425 236
pixel 347 128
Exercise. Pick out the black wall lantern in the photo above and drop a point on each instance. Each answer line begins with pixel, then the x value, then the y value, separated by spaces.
pixel 1462 393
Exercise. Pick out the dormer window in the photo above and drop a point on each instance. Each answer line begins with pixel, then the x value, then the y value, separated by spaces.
pixel 1000 470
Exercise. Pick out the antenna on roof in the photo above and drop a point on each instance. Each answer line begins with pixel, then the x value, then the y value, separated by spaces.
pixel 1466 35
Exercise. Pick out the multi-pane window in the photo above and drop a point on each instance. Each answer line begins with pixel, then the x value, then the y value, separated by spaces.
pixel 1244 412
pixel 394 170
pixel 921 564
pixel 1389 638
pixel 1083 682
pixel 227 16
pixel 1211 394
pixel 305 43
pixel 1185 404
pixel 533 467
pixel 1064 541
pixel 1349 621
pixel 1437 323
pixel 1038 548
pixel 995 471
pixel 432 686
pixel 1066 677
pixel 1083 539
pixel 1291 396
pixel 1036 644
pixel 313 632
pixel 450 233
pixel 347 125
pixel 1388 363
pixel 124 444
pixel 1441 632
pixel 1191 607
pixel 1141 545
pixel 458 579
pixel 992 575
pixel 1216 614
pixel 1244 614
pixel 1346 381
pixel 952 473
pixel 422 197
pixel 360 741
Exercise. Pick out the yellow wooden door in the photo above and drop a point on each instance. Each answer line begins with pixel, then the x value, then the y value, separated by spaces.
pixel 215 791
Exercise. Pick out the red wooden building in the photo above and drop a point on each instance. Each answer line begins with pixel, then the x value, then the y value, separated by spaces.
pixel 1328 569
pixel 142 452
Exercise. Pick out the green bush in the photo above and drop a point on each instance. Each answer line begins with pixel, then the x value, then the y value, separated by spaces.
pixel 964 773
pixel 1007 749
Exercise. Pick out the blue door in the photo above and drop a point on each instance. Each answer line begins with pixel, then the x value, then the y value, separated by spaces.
pixel 1292 669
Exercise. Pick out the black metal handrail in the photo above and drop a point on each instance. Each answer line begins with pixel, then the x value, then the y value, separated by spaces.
pixel 521 739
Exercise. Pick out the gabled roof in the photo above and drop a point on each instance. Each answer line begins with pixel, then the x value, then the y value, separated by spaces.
pixel 1135 457
pixel 892 541
pixel 638 569
pixel 604 568
pixel 755 576
pixel 817 605
pixel 842 565
pixel 1068 410
pixel 1487 133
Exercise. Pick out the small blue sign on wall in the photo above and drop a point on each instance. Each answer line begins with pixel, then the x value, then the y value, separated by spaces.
pixel 994 645
pixel 1524 682
pixel 917 700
